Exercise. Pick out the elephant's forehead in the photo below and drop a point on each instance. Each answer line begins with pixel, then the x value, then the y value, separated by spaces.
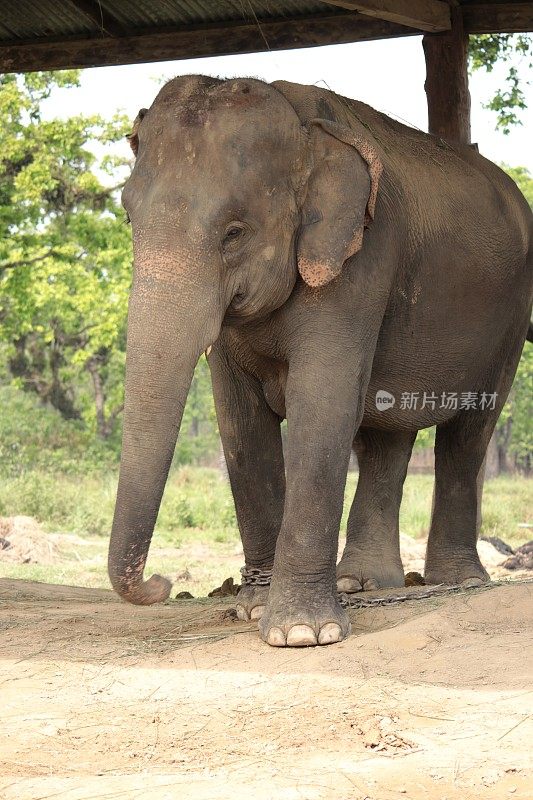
pixel 224 124
pixel 198 103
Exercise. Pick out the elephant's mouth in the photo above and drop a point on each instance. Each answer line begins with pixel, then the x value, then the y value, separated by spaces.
pixel 238 302
pixel 239 309
pixel 249 305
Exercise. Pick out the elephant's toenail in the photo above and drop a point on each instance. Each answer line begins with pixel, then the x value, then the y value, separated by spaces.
pixel 242 613
pixel 370 585
pixel 276 637
pixel 469 583
pixel 348 585
pixel 301 636
pixel 257 612
pixel 331 632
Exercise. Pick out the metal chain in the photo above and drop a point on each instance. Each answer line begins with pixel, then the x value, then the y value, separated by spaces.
pixel 349 601
pixel 255 576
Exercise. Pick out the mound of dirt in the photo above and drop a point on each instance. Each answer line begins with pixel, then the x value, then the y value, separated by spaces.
pixel 428 699
pixel 23 541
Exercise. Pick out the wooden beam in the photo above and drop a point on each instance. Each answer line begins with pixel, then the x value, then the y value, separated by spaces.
pixel 446 83
pixel 207 40
pixel 498 17
pixel 425 15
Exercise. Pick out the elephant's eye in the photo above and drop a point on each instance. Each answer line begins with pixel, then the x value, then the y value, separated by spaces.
pixel 233 233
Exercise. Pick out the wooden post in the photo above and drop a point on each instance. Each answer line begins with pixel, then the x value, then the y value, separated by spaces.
pixel 446 83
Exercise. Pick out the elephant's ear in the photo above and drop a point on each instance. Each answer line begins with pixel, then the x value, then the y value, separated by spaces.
pixel 133 137
pixel 339 204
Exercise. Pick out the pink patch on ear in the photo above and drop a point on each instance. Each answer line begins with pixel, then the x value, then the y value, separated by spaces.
pixel 315 273
pixel 375 168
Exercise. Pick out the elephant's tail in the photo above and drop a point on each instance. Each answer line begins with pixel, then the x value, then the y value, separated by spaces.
pixel 529 335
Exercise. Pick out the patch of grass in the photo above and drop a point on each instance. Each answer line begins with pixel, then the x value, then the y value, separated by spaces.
pixel 61 502
pixel 416 505
pixel 507 504
pixel 196 533
pixel 197 497
pixel 415 511
pixel 69 574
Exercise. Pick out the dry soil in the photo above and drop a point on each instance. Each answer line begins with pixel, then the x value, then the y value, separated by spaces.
pixel 427 699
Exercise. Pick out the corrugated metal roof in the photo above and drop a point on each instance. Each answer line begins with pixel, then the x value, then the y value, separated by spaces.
pixel 25 20
pixel 164 13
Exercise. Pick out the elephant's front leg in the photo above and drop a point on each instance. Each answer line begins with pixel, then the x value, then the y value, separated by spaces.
pixel 251 438
pixel 324 404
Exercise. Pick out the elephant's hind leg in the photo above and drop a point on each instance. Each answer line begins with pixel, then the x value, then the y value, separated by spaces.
pixel 460 448
pixel 371 558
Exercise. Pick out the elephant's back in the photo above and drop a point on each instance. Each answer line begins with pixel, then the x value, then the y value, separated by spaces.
pixel 429 168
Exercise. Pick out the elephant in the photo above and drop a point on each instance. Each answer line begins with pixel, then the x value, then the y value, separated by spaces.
pixel 335 266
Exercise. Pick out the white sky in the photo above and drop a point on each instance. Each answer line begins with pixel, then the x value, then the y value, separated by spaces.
pixel 387 74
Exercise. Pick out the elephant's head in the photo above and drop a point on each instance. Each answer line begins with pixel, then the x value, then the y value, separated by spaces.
pixel 230 197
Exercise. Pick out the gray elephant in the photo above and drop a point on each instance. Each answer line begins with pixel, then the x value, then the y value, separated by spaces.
pixel 338 266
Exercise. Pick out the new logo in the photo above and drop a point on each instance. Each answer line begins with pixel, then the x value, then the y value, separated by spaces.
pixel 384 400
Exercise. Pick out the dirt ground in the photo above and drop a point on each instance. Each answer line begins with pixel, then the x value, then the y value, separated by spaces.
pixel 427 699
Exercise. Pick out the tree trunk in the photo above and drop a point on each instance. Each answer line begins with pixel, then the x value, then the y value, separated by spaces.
pixel 93 365
pixel 503 438
pixel 59 395
pixel 30 364
pixel 104 424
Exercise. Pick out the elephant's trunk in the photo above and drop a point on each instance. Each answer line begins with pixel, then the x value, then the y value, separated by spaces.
pixel 171 321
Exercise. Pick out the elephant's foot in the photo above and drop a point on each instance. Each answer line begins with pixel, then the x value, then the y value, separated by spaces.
pixel 362 570
pixel 303 618
pixel 459 568
pixel 251 601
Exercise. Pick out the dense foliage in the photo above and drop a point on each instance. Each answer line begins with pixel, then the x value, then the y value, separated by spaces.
pixel 64 253
pixel 65 264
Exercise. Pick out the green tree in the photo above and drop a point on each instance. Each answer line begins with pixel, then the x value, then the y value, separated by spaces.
pixel 65 253
pixel 488 49
pixel 523 179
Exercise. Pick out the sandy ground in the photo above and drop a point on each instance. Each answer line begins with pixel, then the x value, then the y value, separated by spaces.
pixel 427 699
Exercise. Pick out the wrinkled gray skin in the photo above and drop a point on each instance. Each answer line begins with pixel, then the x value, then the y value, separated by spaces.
pixel 325 252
